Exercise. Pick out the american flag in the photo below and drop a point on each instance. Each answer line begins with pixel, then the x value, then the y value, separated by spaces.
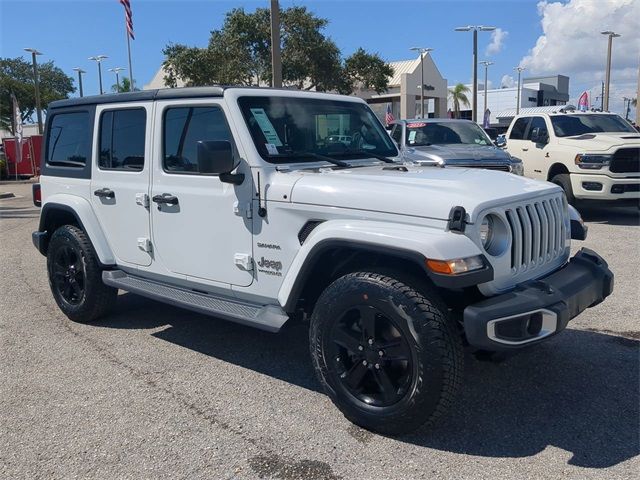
pixel 388 116
pixel 128 17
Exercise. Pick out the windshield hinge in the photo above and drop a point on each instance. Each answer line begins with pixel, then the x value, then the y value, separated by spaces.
pixel 457 219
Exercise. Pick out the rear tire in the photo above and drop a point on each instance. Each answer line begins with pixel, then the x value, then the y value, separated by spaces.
pixel 386 354
pixel 563 180
pixel 75 276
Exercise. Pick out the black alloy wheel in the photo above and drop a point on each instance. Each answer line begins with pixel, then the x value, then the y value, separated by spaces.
pixel 68 275
pixel 373 361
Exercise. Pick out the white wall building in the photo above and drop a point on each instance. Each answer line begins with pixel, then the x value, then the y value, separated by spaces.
pixel 535 92
pixel 404 91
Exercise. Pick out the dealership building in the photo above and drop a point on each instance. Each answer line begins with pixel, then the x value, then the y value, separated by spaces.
pixel 536 92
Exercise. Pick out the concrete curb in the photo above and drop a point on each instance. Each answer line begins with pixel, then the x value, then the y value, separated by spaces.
pixel 6 195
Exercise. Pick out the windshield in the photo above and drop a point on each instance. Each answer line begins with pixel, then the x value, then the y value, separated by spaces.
pixel 570 125
pixel 284 127
pixel 445 133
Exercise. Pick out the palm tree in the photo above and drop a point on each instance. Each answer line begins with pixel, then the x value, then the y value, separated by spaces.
pixel 458 95
pixel 125 86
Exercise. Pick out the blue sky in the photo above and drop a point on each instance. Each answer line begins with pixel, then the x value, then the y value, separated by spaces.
pixel 68 32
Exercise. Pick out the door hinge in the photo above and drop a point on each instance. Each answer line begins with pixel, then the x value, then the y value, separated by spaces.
pixel 242 210
pixel 144 244
pixel 142 199
pixel 244 261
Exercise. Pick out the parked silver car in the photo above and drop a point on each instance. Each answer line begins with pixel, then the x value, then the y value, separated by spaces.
pixel 449 142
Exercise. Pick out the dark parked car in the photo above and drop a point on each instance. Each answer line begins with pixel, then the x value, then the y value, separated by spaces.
pixel 449 142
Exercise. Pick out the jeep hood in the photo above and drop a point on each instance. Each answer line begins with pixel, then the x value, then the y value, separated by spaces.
pixel 452 154
pixel 595 142
pixel 429 192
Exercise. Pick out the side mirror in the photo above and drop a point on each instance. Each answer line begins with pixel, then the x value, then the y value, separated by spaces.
pixel 215 157
pixel 539 135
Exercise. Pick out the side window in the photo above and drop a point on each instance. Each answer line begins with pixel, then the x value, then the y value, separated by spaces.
pixel 539 123
pixel 69 141
pixel 396 134
pixel 518 130
pixel 122 134
pixel 184 127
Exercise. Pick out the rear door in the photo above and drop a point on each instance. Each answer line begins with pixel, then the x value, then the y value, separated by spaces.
pixel 206 233
pixel 120 179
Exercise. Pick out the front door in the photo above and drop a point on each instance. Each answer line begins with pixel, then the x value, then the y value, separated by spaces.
pixel 535 158
pixel 200 224
pixel 120 180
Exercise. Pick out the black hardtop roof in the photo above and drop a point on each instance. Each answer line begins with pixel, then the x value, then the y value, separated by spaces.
pixel 160 94
pixel 156 94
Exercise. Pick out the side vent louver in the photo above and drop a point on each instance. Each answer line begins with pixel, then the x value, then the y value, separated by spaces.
pixel 307 228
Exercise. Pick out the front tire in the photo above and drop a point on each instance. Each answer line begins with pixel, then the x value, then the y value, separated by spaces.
pixel 563 180
pixel 386 354
pixel 75 276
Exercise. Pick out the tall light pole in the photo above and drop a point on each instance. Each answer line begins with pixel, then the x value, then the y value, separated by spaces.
pixel 80 72
pixel 422 51
pixel 98 59
pixel 519 70
pixel 117 71
pixel 486 64
pixel 607 80
pixel 475 29
pixel 36 83
pixel 276 58
pixel 627 106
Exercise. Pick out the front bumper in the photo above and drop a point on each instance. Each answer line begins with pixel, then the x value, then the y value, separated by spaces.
pixel 538 309
pixel 608 188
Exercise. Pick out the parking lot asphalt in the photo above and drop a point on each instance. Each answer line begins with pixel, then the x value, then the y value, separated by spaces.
pixel 157 392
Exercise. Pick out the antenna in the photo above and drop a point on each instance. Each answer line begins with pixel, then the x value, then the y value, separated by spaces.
pixel 262 211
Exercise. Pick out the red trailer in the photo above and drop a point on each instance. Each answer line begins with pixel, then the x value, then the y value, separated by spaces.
pixel 29 165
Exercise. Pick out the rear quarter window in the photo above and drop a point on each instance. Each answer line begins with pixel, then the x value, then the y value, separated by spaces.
pixel 69 140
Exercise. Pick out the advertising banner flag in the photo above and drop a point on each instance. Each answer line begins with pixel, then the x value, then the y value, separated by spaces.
pixel 17 127
pixel 583 102
pixel 487 118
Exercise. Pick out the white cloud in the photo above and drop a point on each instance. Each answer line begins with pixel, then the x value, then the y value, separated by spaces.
pixel 507 82
pixel 571 43
pixel 498 36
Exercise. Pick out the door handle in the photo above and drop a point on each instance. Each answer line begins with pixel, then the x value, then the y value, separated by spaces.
pixel 165 198
pixel 525 149
pixel 105 193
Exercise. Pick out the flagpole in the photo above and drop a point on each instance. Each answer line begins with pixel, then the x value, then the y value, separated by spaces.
pixel 131 84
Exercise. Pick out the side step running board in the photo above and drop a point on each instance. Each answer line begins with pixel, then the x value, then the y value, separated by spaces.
pixel 265 317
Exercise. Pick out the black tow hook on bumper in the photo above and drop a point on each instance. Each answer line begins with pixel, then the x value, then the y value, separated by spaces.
pixel 539 309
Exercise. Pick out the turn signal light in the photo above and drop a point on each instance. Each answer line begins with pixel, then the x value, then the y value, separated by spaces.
pixel 456 266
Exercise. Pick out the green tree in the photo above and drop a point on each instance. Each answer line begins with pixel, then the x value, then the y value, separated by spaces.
pixel 16 75
pixel 125 86
pixel 240 54
pixel 458 95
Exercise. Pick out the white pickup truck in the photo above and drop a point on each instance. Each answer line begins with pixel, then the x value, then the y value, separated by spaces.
pixel 591 155
pixel 265 206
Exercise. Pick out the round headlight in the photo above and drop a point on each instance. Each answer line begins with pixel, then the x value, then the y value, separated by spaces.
pixel 494 235
pixel 486 231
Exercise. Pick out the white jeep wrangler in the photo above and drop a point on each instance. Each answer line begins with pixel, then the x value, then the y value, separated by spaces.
pixel 250 205
pixel 591 155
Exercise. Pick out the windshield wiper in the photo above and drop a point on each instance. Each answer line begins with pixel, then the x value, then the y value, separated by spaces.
pixel 367 153
pixel 317 156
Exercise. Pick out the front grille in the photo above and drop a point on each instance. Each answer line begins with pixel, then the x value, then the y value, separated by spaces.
pixel 538 233
pixel 626 160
